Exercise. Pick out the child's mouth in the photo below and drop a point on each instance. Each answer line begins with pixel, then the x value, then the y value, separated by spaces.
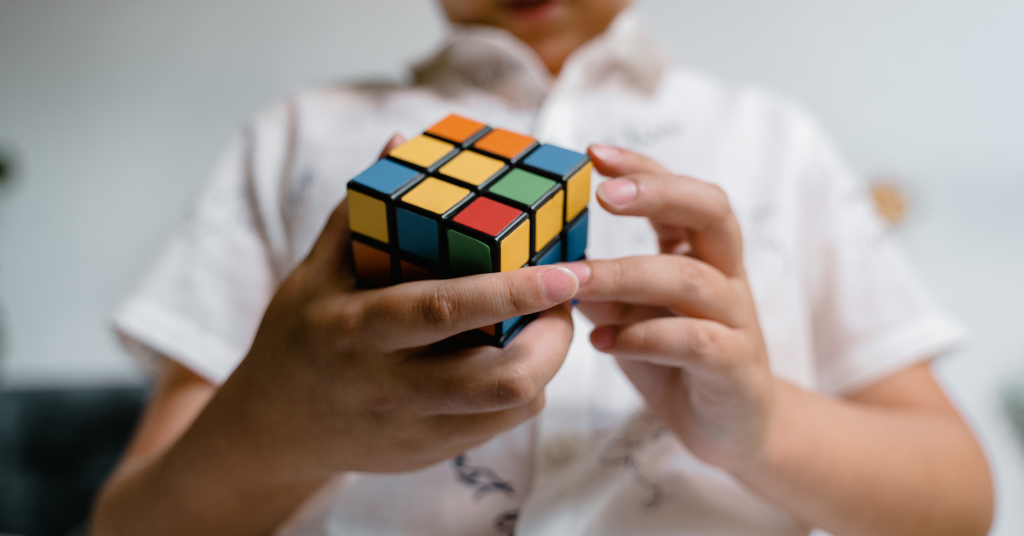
pixel 532 9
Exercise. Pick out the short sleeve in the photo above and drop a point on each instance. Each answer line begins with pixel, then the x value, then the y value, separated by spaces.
pixel 202 298
pixel 871 315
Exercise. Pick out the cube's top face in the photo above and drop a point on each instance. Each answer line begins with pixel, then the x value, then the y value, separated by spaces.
pixel 522 187
pixel 504 143
pixel 422 151
pixel 487 216
pixel 472 168
pixel 435 195
pixel 456 128
pixel 386 177
pixel 554 160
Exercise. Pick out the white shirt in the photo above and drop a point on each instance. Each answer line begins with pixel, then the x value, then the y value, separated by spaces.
pixel 839 305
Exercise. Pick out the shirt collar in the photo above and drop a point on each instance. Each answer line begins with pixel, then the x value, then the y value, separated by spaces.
pixel 495 61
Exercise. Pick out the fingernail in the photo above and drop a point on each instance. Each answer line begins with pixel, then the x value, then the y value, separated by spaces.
pixel 580 269
pixel 559 284
pixel 617 192
pixel 607 153
pixel 603 337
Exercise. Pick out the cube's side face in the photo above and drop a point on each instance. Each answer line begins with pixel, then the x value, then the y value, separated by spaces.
pixel 549 220
pixel 372 265
pixel 464 199
pixel 409 271
pixel 551 255
pixel 515 248
pixel 468 255
pixel 420 216
pixel 368 216
pixel 577 192
pixel 418 234
pixel 538 196
pixel 576 237
pixel 371 196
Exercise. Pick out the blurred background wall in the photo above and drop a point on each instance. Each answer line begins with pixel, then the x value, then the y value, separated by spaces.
pixel 112 111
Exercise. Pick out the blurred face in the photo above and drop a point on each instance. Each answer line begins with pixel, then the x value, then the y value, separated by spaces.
pixel 553 28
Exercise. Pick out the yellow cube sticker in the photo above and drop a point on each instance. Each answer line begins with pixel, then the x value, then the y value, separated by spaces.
pixel 422 151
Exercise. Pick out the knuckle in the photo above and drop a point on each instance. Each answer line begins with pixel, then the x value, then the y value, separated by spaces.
pixel 513 300
pixel 537 405
pixel 349 317
pixel 514 387
pixel 637 337
pixel 721 207
pixel 439 308
pixel 700 341
pixel 693 278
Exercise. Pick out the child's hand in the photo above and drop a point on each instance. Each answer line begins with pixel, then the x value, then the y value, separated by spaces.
pixel 340 379
pixel 681 324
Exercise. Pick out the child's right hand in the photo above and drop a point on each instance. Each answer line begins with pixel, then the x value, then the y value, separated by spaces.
pixel 342 379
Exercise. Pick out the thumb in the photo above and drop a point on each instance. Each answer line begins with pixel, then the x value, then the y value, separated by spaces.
pixel 396 140
pixel 331 250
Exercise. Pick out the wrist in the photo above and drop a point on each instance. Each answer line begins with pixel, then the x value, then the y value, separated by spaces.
pixel 780 436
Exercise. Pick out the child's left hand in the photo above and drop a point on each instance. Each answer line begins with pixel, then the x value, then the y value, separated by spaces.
pixel 682 324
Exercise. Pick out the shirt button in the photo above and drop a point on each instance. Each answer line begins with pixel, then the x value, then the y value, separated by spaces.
pixel 562 450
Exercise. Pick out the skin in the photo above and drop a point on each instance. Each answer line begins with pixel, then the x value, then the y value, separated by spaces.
pixel 552 28
pixel 686 334
pixel 322 391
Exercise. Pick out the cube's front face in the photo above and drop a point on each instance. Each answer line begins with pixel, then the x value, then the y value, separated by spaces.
pixel 539 197
pixel 488 236
pixel 463 199
pixel 420 217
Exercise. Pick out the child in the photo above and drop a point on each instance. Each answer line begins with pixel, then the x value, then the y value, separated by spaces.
pixel 758 385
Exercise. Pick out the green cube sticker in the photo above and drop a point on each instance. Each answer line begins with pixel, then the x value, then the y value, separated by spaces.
pixel 522 186
pixel 468 255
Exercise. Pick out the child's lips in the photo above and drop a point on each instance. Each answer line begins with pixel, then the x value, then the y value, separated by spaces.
pixel 532 9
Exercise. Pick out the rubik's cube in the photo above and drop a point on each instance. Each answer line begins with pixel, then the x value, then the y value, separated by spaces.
pixel 463 199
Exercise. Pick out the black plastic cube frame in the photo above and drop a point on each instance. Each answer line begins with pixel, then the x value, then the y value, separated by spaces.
pixel 389 203
pixel 531 210
pixel 501 340
pixel 466 144
pixel 437 164
pixel 564 235
pixel 439 269
pixel 547 174
pixel 559 239
pixel 442 221
pixel 376 244
pixel 493 242
pixel 514 160
pixel 477 188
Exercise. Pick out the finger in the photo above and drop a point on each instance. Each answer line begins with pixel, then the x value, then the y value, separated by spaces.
pixel 604 313
pixel 692 342
pixel 331 249
pixel 486 379
pixel 396 140
pixel 476 426
pixel 702 209
pixel 424 312
pixel 683 284
pixel 612 161
pixel 331 252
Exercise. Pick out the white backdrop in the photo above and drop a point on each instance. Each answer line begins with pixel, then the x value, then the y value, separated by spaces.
pixel 115 109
